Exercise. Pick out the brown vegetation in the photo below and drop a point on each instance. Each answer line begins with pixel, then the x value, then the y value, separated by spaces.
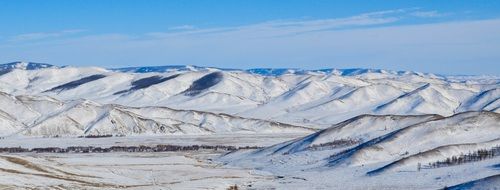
pixel 466 158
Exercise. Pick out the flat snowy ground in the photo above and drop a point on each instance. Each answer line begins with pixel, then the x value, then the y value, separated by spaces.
pixel 171 170
pixel 140 170
pixel 238 140
pixel 194 170
pixel 201 170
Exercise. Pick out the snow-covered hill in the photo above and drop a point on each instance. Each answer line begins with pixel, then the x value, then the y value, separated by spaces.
pixel 45 116
pixel 372 139
pixel 311 98
pixel 378 147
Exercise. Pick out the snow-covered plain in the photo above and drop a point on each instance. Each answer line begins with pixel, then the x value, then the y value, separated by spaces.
pixel 319 129
pixel 121 171
pixel 237 140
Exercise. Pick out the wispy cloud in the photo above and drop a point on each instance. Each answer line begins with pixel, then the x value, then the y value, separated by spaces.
pixel 44 35
pixel 428 14
pixel 182 27
pixel 274 28
pixel 286 27
pixel 279 28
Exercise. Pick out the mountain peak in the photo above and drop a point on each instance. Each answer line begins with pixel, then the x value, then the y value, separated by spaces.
pixel 24 65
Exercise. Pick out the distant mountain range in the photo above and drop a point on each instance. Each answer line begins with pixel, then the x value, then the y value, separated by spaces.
pixel 44 100
pixel 173 68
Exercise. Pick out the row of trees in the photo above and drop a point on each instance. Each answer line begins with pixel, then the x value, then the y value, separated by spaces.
pixel 142 148
pixel 334 144
pixel 475 156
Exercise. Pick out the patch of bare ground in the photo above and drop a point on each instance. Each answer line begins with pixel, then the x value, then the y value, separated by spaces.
pixel 72 174
pixel 47 174
pixel 233 187
pixel 64 178
pixel 7 187
pixel 30 165
pixel 25 163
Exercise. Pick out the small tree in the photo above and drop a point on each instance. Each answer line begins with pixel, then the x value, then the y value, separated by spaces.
pixel 233 187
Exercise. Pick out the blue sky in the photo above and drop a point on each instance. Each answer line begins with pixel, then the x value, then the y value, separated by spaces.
pixel 447 37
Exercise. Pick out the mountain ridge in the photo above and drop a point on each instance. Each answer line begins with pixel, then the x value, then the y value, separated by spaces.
pixel 312 99
pixel 261 71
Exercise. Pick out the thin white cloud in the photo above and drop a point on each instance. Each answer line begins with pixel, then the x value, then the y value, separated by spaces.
pixel 273 28
pixel 182 27
pixel 428 14
pixel 43 35
pixel 277 28
pixel 286 27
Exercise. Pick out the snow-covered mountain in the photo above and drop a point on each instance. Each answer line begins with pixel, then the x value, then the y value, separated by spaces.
pixel 36 96
pixel 380 147
pixel 45 116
